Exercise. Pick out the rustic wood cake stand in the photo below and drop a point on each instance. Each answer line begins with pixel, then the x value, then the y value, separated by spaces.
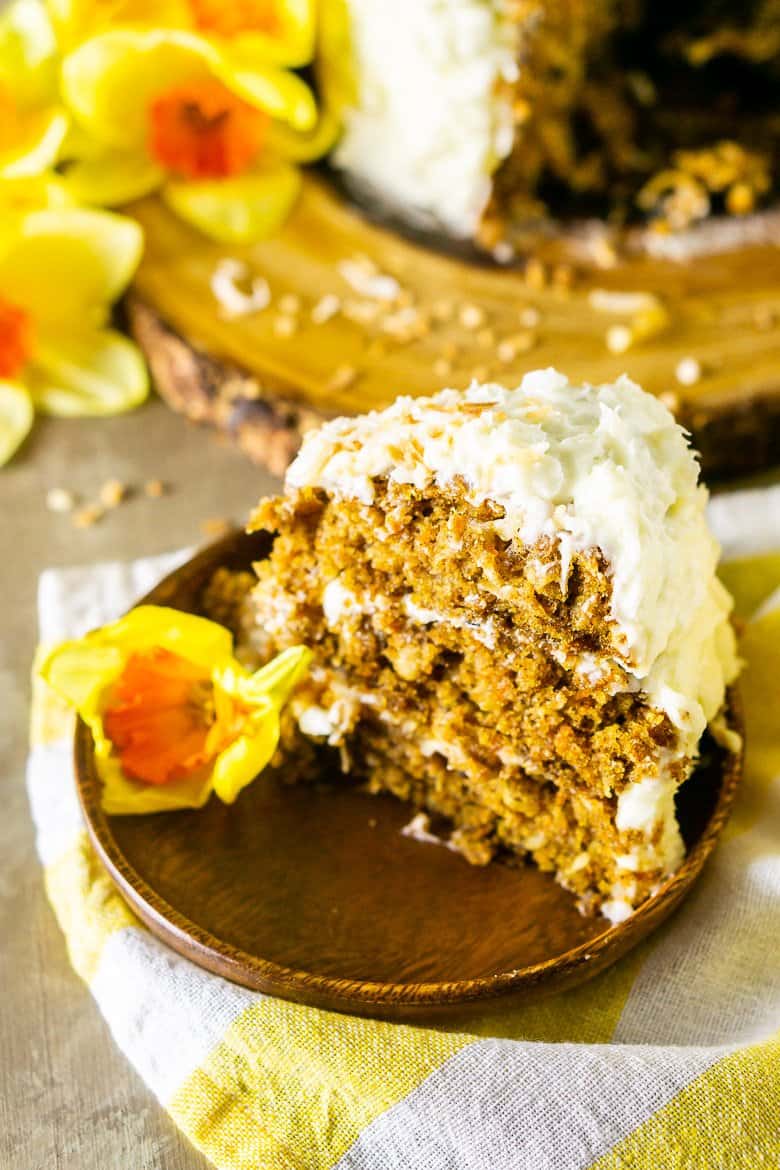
pixel 266 383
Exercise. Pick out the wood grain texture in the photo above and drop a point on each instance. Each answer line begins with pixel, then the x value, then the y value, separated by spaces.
pixel 266 389
pixel 313 894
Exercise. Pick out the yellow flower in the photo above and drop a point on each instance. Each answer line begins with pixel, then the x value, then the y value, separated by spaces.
pixel 173 716
pixel 279 32
pixel 33 121
pixel 61 268
pixel 218 134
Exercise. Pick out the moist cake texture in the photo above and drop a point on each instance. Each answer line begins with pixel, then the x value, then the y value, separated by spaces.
pixel 516 624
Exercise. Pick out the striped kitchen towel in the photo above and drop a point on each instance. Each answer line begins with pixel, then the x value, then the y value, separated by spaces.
pixel 668 1061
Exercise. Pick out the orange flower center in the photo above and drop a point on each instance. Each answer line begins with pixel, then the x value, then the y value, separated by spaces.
pixel 15 338
pixel 239 16
pixel 203 131
pixel 160 717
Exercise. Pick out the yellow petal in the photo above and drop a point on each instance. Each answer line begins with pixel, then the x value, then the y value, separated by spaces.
pixel 278 678
pixel 291 44
pixel 30 142
pixel 123 796
pixel 240 210
pixel 240 763
pixel 82 669
pixel 16 418
pixel 28 53
pixel 111 179
pixel 67 265
pixel 299 147
pixel 78 20
pixel 89 374
pixel 282 95
pixel 20 196
pixel 110 81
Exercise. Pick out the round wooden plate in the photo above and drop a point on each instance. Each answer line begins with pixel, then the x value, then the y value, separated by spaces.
pixel 312 893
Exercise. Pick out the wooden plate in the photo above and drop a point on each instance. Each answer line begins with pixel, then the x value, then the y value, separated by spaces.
pixel 312 893
pixel 264 385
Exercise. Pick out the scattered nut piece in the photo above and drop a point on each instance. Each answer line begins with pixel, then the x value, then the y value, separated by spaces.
pixel 112 493
pixel 60 500
pixel 285 326
pixel 503 252
pixel 607 300
pixel 506 352
pixel 530 316
pixel 670 400
pixel 326 307
pixel 362 274
pixel 86 517
pixel 471 316
pixel 289 304
pixel 341 378
pixel 619 338
pixel 154 488
pixel 233 302
pixel 688 371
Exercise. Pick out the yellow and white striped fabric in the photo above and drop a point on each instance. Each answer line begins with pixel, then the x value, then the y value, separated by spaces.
pixel 669 1061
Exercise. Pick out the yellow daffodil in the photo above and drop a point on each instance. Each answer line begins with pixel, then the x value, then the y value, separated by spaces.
pixel 33 121
pixel 173 716
pixel 61 268
pixel 218 134
pixel 279 32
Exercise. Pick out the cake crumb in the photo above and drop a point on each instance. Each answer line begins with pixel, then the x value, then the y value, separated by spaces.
pixel 326 308
pixel 619 338
pixel 688 371
pixel 60 500
pixel 285 326
pixel 471 317
pixel 154 488
pixel 530 316
pixel 289 304
pixel 87 516
pixel 341 378
pixel 112 493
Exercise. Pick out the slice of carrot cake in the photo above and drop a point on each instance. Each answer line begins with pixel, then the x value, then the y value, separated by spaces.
pixel 516 624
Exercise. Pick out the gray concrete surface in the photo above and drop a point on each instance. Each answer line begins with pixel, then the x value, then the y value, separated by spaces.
pixel 68 1099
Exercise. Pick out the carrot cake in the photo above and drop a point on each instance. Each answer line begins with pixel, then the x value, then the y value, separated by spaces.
pixel 516 624
pixel 471 116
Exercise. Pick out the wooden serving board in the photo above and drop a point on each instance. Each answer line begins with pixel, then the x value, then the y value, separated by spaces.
pixel 266 386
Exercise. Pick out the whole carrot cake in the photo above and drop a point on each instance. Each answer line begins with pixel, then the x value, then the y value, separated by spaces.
pixel 516 624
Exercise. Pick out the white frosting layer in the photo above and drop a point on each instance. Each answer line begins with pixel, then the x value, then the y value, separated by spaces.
pixel 429 128
pixel 600 467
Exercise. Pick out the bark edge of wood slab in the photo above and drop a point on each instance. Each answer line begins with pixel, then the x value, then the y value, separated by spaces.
pixel 269 427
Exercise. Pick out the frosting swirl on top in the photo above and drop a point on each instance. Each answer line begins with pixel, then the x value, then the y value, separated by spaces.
pixel 602 467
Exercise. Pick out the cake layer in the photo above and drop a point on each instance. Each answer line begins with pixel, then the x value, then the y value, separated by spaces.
pixel 511 603
pixel 602 471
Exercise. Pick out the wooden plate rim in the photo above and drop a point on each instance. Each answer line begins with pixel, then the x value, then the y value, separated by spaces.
pixel 220 957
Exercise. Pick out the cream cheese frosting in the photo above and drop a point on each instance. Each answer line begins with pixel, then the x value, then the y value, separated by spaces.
pixel 602 467
pixel 429 124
